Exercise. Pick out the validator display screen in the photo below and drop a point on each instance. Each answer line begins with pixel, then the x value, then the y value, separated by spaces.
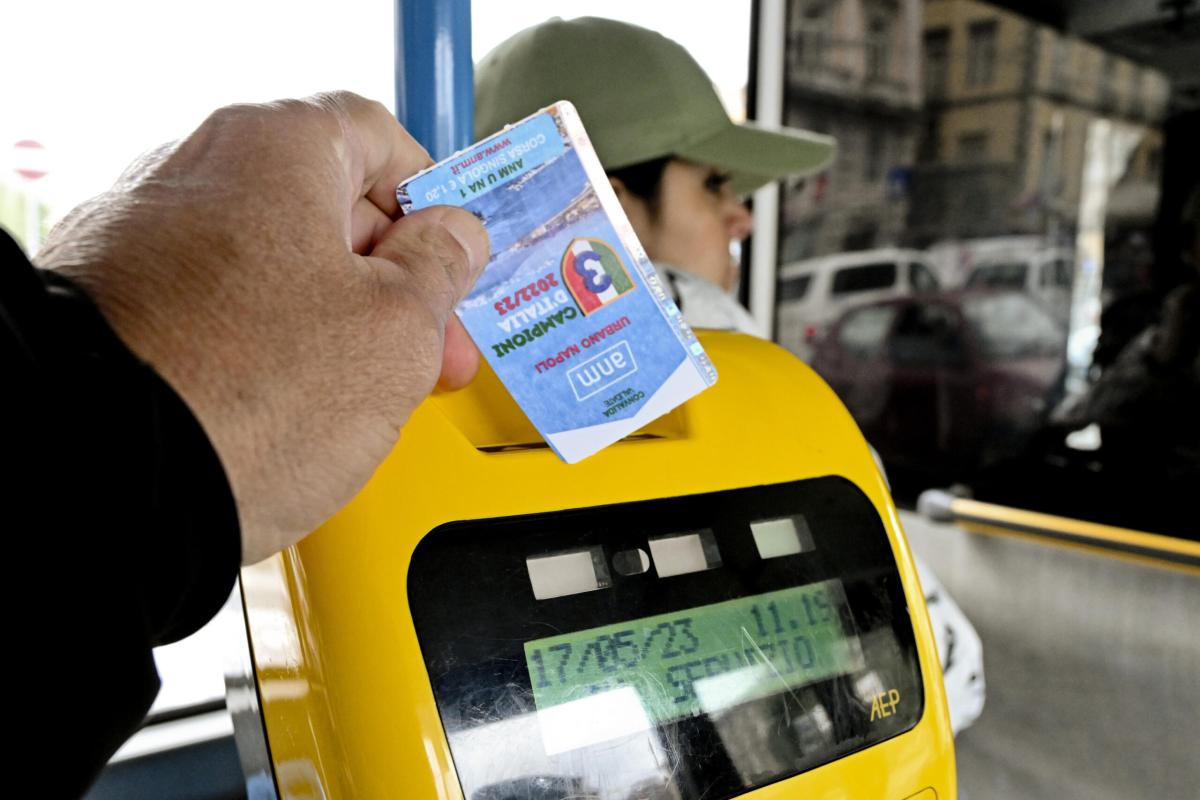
pixel 704 659
pixel 689 647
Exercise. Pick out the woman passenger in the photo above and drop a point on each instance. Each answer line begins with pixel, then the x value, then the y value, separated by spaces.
pixel 679 165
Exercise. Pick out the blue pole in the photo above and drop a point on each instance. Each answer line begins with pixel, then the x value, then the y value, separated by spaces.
pixel 435 92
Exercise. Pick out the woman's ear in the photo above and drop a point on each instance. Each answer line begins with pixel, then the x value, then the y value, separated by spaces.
pixel 618 186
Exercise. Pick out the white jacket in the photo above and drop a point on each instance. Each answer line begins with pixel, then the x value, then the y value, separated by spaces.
pixel 703 303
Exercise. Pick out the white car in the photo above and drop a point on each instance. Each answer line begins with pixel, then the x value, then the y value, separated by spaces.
pixel 813 293
pixel 1046 274
pixel 1033 264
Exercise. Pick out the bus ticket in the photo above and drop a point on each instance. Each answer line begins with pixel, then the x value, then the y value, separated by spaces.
pixel 569 311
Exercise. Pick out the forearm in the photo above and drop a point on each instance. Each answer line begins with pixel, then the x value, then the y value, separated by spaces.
pixel 122 526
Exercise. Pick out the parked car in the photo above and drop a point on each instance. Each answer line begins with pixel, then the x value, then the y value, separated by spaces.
pixel 946 383
pixel 1046 274
pixel 815 292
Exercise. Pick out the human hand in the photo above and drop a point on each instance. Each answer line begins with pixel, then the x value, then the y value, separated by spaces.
pixel 262 267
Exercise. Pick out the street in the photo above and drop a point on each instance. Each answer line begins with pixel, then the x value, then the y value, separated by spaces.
pixel 1092 665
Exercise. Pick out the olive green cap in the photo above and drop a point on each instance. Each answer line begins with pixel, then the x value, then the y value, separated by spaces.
pixel 640 95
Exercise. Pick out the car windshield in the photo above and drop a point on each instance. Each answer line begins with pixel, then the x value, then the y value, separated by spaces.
pixel 1000 276
pixel 1012 326
pixel 863 278
pixel 794 289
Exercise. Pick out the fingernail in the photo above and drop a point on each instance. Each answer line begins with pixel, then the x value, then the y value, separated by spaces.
pixel 470 233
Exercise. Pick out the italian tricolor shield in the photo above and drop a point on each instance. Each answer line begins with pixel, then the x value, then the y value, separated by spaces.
pixel 594 273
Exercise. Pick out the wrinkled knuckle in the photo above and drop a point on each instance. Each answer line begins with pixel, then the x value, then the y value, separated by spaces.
pixel 290 106
pixel 325 104
pixel 377 110
pixel 447 258
pixel 349 105
pixel 340 106
pixel 428 250
pixel 338 101
pixel 249 127
pixel 291 118
pixel 225 118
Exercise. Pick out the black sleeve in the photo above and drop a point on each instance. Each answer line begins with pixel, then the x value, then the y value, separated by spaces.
pixel 120 528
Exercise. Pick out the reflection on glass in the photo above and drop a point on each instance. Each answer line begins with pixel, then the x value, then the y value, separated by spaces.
pixel 862 332
pixel 572 572
pixel 1013 326
pixel 764 739
pixel 787 536
pixel 494 762
pixel 679 554
pixel 592 719
pixel 1060 260
pixel 1002 275
pixel 868 686
pixel 814 729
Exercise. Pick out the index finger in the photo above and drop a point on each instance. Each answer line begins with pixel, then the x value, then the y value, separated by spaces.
pixel 379 152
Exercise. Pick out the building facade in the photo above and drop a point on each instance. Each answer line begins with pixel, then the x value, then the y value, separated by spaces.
pixel 1008 106
pixel 853 72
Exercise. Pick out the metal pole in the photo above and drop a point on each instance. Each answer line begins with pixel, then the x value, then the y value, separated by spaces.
pixel 435 93
pixel 769 112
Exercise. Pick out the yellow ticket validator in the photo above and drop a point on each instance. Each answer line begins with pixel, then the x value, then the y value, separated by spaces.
pixel 722 605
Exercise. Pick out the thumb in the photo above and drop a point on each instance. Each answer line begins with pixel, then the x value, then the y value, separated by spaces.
pixel 439 251
pixel 460 357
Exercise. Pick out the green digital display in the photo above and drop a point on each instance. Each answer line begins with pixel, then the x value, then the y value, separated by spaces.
pixel 702 659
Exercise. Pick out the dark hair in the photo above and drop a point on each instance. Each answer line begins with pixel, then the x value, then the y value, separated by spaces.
pixel 643 180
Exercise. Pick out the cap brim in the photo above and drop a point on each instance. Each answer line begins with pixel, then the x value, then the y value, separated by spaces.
pixel 755 156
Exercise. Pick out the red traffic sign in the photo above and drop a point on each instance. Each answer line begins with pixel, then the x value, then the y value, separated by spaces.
pixel 30 159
